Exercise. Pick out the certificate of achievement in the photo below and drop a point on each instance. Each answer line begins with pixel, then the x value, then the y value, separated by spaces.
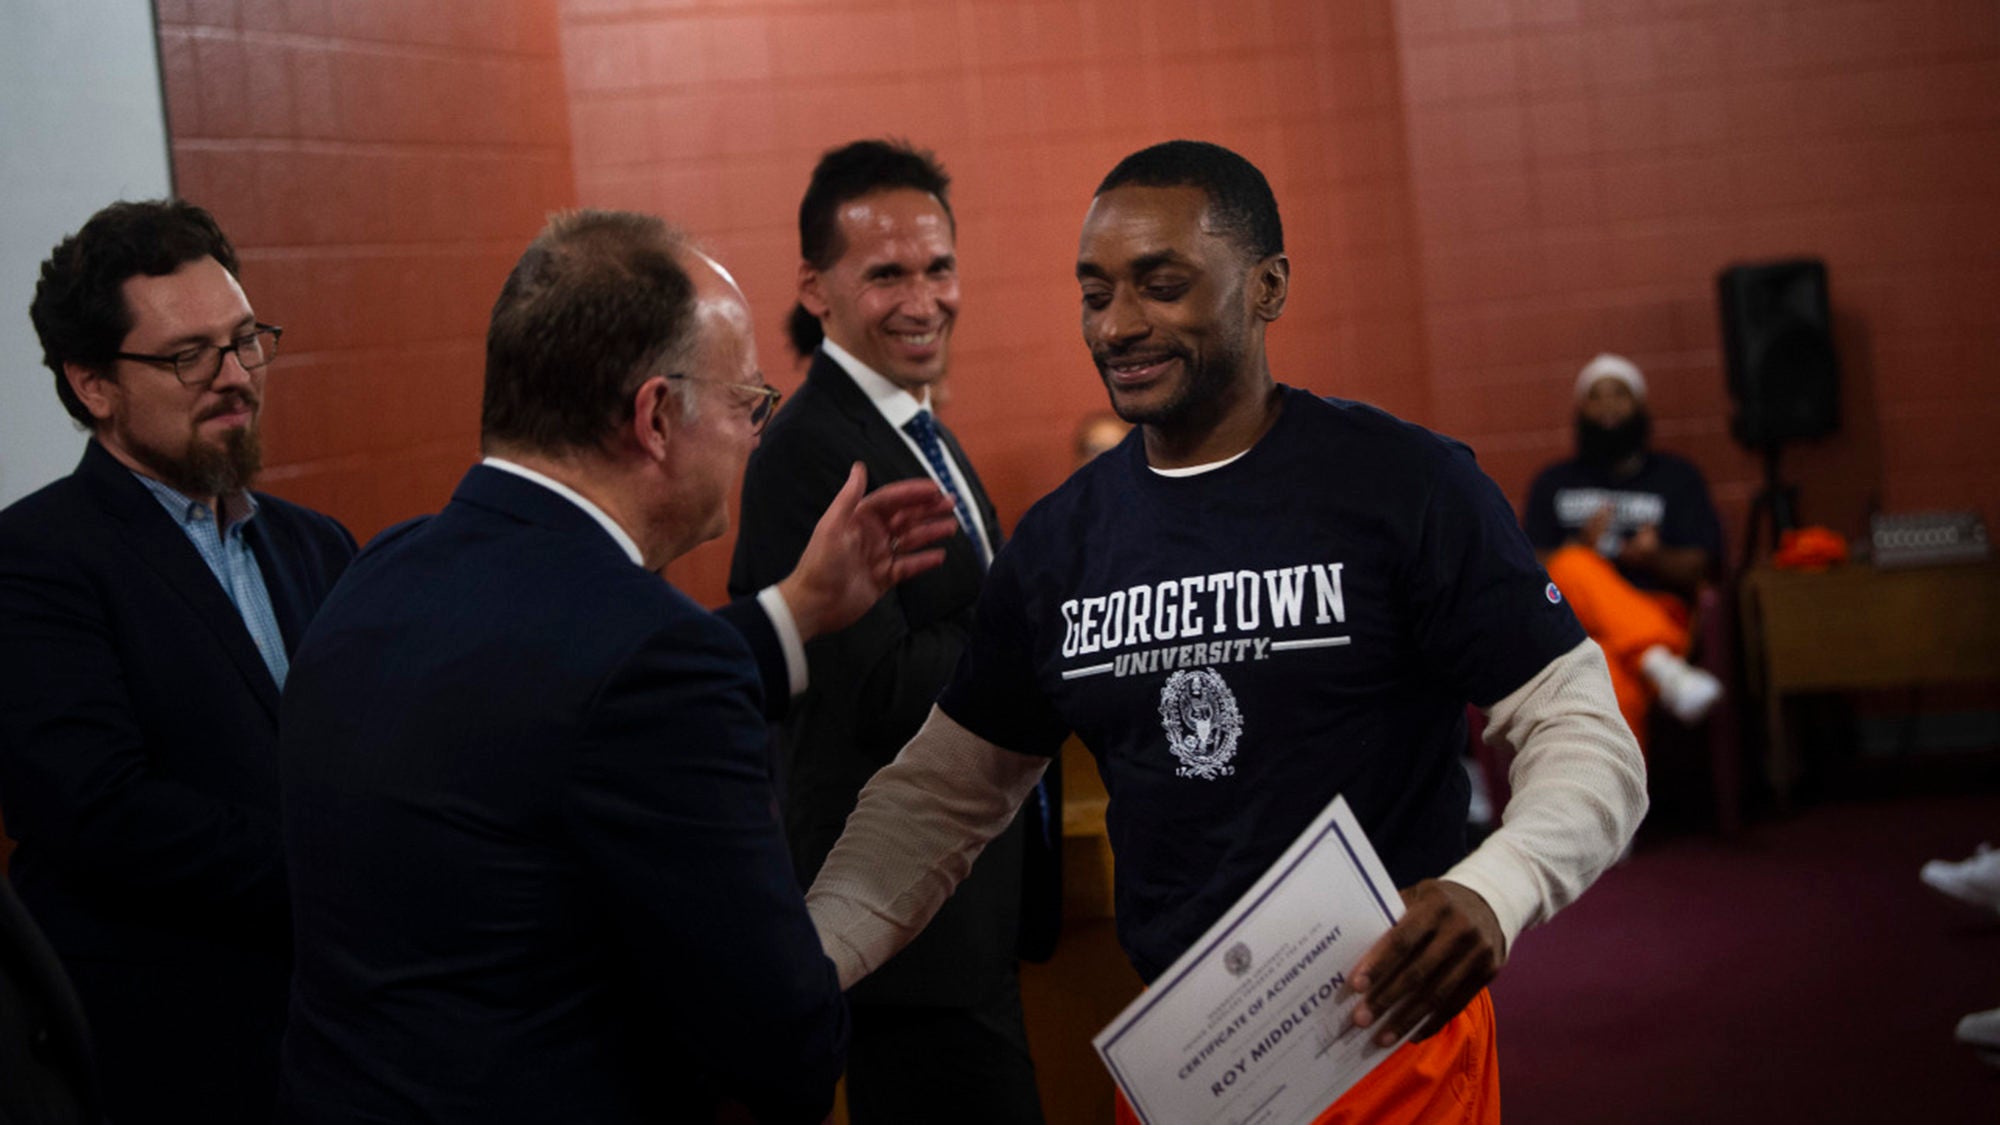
pixel 1251 1025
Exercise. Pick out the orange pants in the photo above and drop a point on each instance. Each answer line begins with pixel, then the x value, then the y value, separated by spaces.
pixel 1624 621
pixel 1452 1078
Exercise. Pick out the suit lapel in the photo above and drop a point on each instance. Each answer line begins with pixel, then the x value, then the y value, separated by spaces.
pixel 889 458
pixel 275 553
pixel 162 547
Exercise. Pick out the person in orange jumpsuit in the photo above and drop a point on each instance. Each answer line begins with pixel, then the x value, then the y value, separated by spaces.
pixel 1628 534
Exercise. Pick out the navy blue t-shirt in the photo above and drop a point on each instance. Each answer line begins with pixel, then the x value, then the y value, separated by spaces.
pixel 1667 491
pixel 1239 646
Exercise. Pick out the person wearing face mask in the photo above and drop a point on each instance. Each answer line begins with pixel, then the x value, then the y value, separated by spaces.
pixel 1628 534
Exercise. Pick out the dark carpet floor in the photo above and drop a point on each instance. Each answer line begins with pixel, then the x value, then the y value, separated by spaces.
pixel 1798 974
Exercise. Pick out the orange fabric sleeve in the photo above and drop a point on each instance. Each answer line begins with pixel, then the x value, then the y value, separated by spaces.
pixel 1624 621
pixel 1452 1078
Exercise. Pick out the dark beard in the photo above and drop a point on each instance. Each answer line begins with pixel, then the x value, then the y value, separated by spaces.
pixel 1606 448
pixel 210 470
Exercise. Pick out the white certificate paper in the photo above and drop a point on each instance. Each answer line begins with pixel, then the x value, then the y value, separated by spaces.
pixel 1246 1028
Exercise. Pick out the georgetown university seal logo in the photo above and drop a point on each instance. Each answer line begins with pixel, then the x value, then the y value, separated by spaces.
pixel 1237 959
pixel 1201 722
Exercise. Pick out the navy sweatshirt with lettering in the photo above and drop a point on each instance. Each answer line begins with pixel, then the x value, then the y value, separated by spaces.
pixel 1239 646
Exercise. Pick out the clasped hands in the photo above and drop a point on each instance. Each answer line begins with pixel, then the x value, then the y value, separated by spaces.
pixel 1641 549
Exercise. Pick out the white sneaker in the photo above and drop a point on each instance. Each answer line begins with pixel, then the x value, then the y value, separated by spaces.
pixel 1976 881
pixel 1981 1032
pixel 1686 690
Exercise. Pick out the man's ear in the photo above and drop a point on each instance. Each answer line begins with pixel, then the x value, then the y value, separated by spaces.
pixel 95 388
pixel 656 415
pixel 1270 285
pixel 810 294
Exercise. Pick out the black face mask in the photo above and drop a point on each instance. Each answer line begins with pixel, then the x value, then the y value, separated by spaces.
pixel 1607 447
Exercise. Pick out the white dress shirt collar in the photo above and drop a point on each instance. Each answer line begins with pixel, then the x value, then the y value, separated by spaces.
pixel 618 534
pixel 773 602
pixel 896 404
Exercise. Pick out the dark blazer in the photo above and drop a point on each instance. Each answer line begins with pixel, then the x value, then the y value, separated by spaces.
pixel 138 770
pixel 873 683
pixel 45 1067
pixel 537 868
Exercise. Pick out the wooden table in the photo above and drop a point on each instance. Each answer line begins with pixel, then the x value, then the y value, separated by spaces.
pixel 1856 627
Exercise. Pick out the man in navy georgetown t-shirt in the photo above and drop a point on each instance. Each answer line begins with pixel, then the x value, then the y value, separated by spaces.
pixel 1260 600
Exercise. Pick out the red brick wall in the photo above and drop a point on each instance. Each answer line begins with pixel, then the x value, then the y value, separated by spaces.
pixel 1583 169
pixel 1479 194
pixel 379 164
pixel 713 116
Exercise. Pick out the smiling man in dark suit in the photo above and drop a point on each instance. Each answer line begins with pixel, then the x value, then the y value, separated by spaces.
pixel 938 1033
pixel 149 605
pixel 537 867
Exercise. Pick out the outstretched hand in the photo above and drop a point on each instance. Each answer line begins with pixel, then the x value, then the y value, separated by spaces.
pixel 1431 963
pixel 862 547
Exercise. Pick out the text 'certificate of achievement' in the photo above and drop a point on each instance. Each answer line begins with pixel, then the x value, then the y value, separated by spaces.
pixel 1246 1027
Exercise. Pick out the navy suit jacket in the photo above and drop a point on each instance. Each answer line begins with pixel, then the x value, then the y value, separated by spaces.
pixel 873 683
pixel 537 867
pixel 139 771
pixel 45 1068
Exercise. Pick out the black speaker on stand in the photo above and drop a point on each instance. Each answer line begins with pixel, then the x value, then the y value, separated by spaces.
pixel 1784 379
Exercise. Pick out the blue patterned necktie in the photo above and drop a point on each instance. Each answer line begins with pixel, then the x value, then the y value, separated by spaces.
pixel 923 428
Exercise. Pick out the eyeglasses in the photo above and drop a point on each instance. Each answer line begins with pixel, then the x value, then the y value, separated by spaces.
pixel 199 365
pixel 767 400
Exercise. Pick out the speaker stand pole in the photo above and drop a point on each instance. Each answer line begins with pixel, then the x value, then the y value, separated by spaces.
pixel 1775 506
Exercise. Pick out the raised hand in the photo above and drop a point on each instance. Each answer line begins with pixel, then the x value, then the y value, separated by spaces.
pixel 862 547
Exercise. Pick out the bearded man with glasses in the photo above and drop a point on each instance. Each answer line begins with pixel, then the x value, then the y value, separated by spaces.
pixel 149 607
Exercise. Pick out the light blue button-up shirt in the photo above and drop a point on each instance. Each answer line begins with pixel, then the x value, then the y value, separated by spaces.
pixel 233 563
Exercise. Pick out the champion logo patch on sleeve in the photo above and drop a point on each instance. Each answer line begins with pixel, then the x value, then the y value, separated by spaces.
pixel 1555 596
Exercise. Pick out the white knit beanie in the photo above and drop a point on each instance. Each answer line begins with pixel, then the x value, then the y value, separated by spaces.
pixel 1608 366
